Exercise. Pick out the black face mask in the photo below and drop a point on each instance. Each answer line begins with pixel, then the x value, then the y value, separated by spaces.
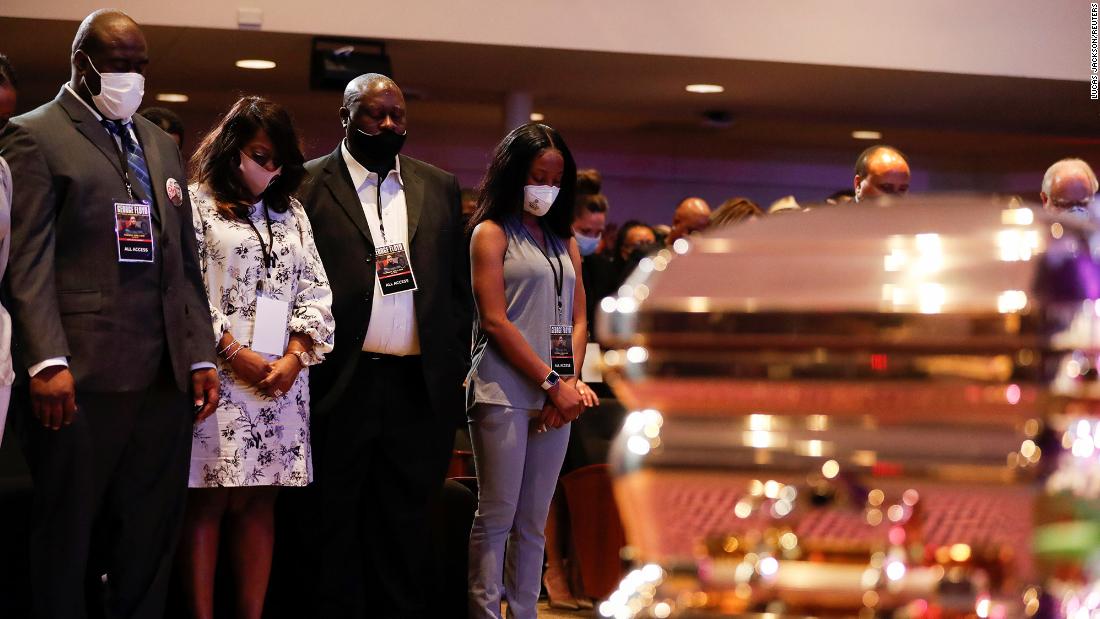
pixel 380 148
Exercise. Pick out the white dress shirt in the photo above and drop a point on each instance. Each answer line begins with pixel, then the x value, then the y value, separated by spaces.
pixel 392 329
pixel 129 124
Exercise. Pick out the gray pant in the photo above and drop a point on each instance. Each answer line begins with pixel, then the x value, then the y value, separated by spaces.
pixel 517 471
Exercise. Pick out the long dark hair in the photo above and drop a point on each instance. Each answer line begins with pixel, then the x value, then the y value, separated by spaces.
pixel 501 191
pixel 218 157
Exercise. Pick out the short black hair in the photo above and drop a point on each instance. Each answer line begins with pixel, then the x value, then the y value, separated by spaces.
pixel 7 72
pixel 861 161
pixel 166 119
pixel 630 224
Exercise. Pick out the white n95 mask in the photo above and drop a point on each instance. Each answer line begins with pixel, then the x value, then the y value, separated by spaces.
pixel 537 199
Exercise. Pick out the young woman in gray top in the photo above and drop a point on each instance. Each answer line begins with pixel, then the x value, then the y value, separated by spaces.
pixel 529 338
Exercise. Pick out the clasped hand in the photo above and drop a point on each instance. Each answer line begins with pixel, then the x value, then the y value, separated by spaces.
pixel 271 379
pixel 566 403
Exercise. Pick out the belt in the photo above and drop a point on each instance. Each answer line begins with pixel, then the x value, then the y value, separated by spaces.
pixel 377 356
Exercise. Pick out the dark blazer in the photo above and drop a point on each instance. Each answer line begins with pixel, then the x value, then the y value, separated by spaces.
pixel 437 249
pixel 68 294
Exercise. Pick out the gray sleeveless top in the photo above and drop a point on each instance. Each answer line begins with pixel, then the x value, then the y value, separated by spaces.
pixel 531 298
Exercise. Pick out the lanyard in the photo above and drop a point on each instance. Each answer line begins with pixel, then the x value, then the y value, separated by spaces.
pixel 381 221
pixel 124 138
pixel 268 252
pixel 559 273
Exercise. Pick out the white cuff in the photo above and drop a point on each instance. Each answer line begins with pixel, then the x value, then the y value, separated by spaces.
pixel 41 365
pixel 202 365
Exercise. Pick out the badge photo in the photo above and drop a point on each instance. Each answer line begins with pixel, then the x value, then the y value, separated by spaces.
pixel 175 192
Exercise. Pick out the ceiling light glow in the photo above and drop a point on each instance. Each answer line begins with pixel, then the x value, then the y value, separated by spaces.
pixel 867 135
pixel 255 63
pixel 704 89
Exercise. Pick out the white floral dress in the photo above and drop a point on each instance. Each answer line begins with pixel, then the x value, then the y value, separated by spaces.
pixel 253 439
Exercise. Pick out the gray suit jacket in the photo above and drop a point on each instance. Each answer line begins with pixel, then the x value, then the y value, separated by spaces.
pixel 68 294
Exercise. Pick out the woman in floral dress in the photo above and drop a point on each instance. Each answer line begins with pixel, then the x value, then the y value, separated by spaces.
pixel 270 305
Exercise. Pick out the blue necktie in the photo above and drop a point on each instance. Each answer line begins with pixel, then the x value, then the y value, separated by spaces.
pixel 135 158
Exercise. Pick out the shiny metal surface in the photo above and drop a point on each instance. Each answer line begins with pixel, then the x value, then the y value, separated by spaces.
pixel 862 410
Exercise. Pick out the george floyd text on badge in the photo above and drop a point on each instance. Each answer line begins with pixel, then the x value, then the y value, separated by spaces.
pixel 561 349
pixel 394 269
pixel 134 232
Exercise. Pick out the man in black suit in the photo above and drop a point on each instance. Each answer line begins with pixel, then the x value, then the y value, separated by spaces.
pixel 389 397
pixel 112 341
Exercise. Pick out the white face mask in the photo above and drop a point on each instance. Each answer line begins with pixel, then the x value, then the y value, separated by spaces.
pixel 256 177
pixel 537 199
pixel 586 244
pixel 119 93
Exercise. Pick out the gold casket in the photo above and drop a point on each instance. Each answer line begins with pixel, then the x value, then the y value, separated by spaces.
pixel 867 410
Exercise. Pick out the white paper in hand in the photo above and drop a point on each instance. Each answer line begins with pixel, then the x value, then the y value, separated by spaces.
pixel 269 333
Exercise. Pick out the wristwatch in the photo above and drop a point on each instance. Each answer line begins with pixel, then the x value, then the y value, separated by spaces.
pixel 551 381
pixel 303 358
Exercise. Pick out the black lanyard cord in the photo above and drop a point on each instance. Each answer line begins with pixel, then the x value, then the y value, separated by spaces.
pixel 559 273
pixel 124 138
pixel 381 221
pixel 268 252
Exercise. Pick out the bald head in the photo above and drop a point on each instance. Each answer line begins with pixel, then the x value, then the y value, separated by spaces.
pixel 692 215
pixel 881 170
pixel 107 41
pixel 374 107
pixel 366 84
pixel 1068 185
pixel 100 28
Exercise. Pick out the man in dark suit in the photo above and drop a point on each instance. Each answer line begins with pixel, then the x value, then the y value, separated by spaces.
pixel 389 397
pixel 111 347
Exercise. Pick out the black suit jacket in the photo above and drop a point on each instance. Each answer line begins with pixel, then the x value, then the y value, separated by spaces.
pixel 67 292
pixel 437 249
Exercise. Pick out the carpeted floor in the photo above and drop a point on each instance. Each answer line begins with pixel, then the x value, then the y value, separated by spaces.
pixel 545 612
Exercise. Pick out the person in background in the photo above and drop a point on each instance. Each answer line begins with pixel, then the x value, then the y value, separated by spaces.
pixel 691 215
pixel 272 316
pixel 634 241
pixel 841 196
pixel 785 204
pixel 880 170
pixel 589 183
pixel 1069 185
pixel 167 120
pixel 9 86
pixel 589 222
pixel 524 265
pixel 662 231
pixel 113 336
pixel 735 211
pixel 392 388
pixel 606 248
